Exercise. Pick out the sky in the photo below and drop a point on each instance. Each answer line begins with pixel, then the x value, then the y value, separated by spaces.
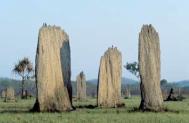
pixel 93 26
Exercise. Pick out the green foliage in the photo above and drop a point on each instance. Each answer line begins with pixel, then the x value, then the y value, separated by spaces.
pixel 133 68
pixel 16 84
pixel 24 68
pixel 163 82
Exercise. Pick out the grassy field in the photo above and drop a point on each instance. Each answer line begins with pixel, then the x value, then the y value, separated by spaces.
pixel 18 112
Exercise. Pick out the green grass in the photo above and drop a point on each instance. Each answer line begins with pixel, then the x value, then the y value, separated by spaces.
pixel 18 112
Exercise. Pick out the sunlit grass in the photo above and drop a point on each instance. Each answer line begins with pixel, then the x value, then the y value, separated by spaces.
pixel 18 112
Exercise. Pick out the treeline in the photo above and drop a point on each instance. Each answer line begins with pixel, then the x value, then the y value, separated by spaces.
pixel 30 86
pixel 134 88
pixel 16 84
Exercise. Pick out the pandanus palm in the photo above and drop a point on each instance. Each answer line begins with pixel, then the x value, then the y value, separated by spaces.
pixel 24 69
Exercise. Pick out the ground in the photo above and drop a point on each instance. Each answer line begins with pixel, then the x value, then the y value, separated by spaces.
pixel 18 112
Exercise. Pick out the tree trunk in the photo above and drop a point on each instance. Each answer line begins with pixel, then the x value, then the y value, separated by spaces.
pixel 22 90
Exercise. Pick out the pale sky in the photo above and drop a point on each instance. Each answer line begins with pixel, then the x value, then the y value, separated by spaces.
pixel 93 26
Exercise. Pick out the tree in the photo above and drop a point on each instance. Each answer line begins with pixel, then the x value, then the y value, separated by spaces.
pixel 24 69
pixel 163 82
pixel 133 68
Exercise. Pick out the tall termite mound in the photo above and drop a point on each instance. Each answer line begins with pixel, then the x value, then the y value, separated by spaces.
pixel 109 79
pixel 53 70
pixel 81 86
pixel 149 68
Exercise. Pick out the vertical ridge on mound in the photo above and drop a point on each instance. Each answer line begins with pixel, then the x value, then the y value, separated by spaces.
pixel 53 72
pixel 81 86
pixel 109 79
pixel 149 68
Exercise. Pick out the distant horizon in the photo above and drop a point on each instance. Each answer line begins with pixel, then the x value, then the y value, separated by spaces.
pixel 74 80
pixel 93 26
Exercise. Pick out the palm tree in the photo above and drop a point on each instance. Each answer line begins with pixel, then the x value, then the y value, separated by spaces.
pixel 24 69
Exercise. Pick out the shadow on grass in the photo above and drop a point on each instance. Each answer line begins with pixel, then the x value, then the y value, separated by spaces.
pixel 163 110
pixel 14 111
pixel 86 106
pixel 117 110
pixel 121 105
